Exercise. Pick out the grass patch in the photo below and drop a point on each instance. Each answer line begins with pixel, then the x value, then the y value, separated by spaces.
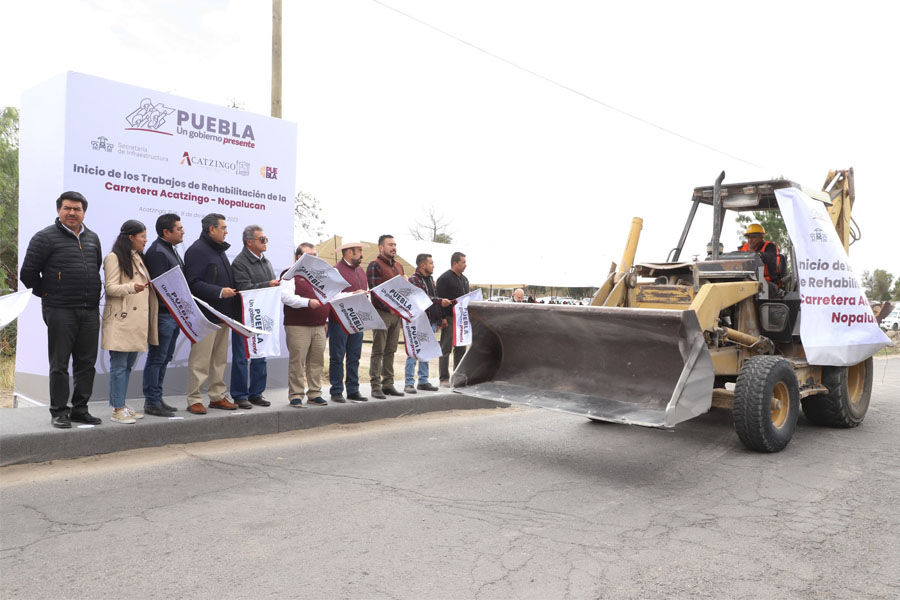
pixel 7 372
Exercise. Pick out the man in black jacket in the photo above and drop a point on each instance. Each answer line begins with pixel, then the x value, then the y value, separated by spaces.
pixel 209 276
pixel 159 258
pixel 452 284
pixel 62 268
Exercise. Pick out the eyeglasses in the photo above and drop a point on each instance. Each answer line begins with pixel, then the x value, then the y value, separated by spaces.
pixel 262 240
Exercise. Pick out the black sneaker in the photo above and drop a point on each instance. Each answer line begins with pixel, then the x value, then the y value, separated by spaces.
pixel 357 397
pixel 168 407
pixel 409 390
pixel 339 398
pixel 243 403
pixel 427 387
pixel 86 418
pixel 259 401
pixel 391 391
pixel 158 410
pixel 61 422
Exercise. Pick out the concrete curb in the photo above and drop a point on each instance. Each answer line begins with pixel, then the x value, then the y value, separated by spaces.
pixel 26 435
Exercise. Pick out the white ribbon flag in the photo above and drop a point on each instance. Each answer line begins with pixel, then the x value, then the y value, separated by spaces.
pixel 244 330
pixel 836 322
pixel 325 280
pixel 12 305
pixel 172 289
pixel 355 313
pixel 462 327
pixel 261 308
pixel 419 339
pixel 402 297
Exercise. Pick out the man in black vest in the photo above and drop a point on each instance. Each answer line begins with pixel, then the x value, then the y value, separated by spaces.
pixel 159 258
pixel 209 276
pixel 62 268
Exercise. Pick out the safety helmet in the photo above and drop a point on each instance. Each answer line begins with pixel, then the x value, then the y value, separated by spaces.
pixel 755 228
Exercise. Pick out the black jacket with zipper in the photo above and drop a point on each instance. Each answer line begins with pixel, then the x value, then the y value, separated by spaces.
pixel 63 270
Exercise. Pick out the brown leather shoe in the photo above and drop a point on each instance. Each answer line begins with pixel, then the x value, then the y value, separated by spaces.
pixel 197 408
pixel 223 403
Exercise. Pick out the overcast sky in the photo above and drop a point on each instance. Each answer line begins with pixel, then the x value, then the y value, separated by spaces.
pixel 395 116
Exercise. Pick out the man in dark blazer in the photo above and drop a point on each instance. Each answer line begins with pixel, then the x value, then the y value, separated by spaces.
pixel 160 258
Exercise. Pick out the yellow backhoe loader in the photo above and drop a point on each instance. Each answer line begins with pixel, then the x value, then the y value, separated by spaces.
pixel 662 342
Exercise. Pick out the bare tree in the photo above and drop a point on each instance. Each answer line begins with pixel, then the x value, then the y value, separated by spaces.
pixel 433 227
pixel 308 216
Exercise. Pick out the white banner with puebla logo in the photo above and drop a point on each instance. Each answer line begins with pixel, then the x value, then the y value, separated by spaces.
pixel 836 322
pixel 12 305
pixel 174 292
pixel 402 297
pixel 355 313
pixel 325 280
pixel 462 326
pixel 137 153
pixel 261 309
pixel 419 339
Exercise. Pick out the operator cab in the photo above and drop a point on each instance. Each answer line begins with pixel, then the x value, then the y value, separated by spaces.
pixel 778 312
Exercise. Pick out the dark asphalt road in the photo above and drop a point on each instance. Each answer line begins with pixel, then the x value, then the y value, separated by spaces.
pixel 478 504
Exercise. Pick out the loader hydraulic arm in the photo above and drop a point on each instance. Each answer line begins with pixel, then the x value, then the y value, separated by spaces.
pixel 839 186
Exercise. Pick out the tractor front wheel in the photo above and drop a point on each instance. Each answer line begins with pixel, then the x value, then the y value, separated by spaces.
pixel 766 403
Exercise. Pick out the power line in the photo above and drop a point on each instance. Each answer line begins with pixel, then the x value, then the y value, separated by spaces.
pixel 567 87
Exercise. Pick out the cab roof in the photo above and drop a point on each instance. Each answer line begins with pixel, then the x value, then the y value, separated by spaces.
pixel 754 195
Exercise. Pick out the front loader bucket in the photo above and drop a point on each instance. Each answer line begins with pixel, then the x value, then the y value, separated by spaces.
pixel 638 366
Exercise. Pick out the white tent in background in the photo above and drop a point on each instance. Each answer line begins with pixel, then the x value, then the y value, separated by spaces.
pixel 504 266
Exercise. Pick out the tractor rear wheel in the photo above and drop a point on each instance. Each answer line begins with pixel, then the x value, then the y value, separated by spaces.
pixel 766 403
pixel 847 400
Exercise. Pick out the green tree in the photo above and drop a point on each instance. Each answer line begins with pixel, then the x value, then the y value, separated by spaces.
pixel 895 293
pixel 771 221
pixel 9 215
pixel 9 198
pixel 877 285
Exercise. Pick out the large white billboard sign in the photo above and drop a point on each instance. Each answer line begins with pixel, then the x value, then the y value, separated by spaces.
pixel 135 154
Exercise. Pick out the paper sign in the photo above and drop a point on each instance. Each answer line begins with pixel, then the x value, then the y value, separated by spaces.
pixel 419 339
pixel 325 280
pixel 12 305
pixel 244 330
pixel 462 326
pixel 261 308
pixel 355 313
pixel 402 298
pixel 174 292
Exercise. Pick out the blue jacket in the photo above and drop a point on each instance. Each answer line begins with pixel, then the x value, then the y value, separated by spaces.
pixel 208 271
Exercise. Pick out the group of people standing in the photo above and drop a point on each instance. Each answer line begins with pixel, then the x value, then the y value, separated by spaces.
pixel 62 267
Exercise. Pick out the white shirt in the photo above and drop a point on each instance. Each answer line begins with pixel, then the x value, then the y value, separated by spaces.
pixel 289 298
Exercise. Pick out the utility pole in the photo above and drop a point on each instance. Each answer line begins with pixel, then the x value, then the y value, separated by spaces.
pixel 276 58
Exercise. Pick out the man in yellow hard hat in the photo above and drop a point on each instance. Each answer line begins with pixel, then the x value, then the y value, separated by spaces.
pixel 768 252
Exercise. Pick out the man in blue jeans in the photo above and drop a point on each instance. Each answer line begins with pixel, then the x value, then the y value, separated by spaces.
pixel 423 280
pixel 252 271
pixel 342 345
pixel 159 258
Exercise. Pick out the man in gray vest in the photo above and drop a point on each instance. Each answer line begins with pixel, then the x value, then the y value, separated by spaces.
pixel 252 271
